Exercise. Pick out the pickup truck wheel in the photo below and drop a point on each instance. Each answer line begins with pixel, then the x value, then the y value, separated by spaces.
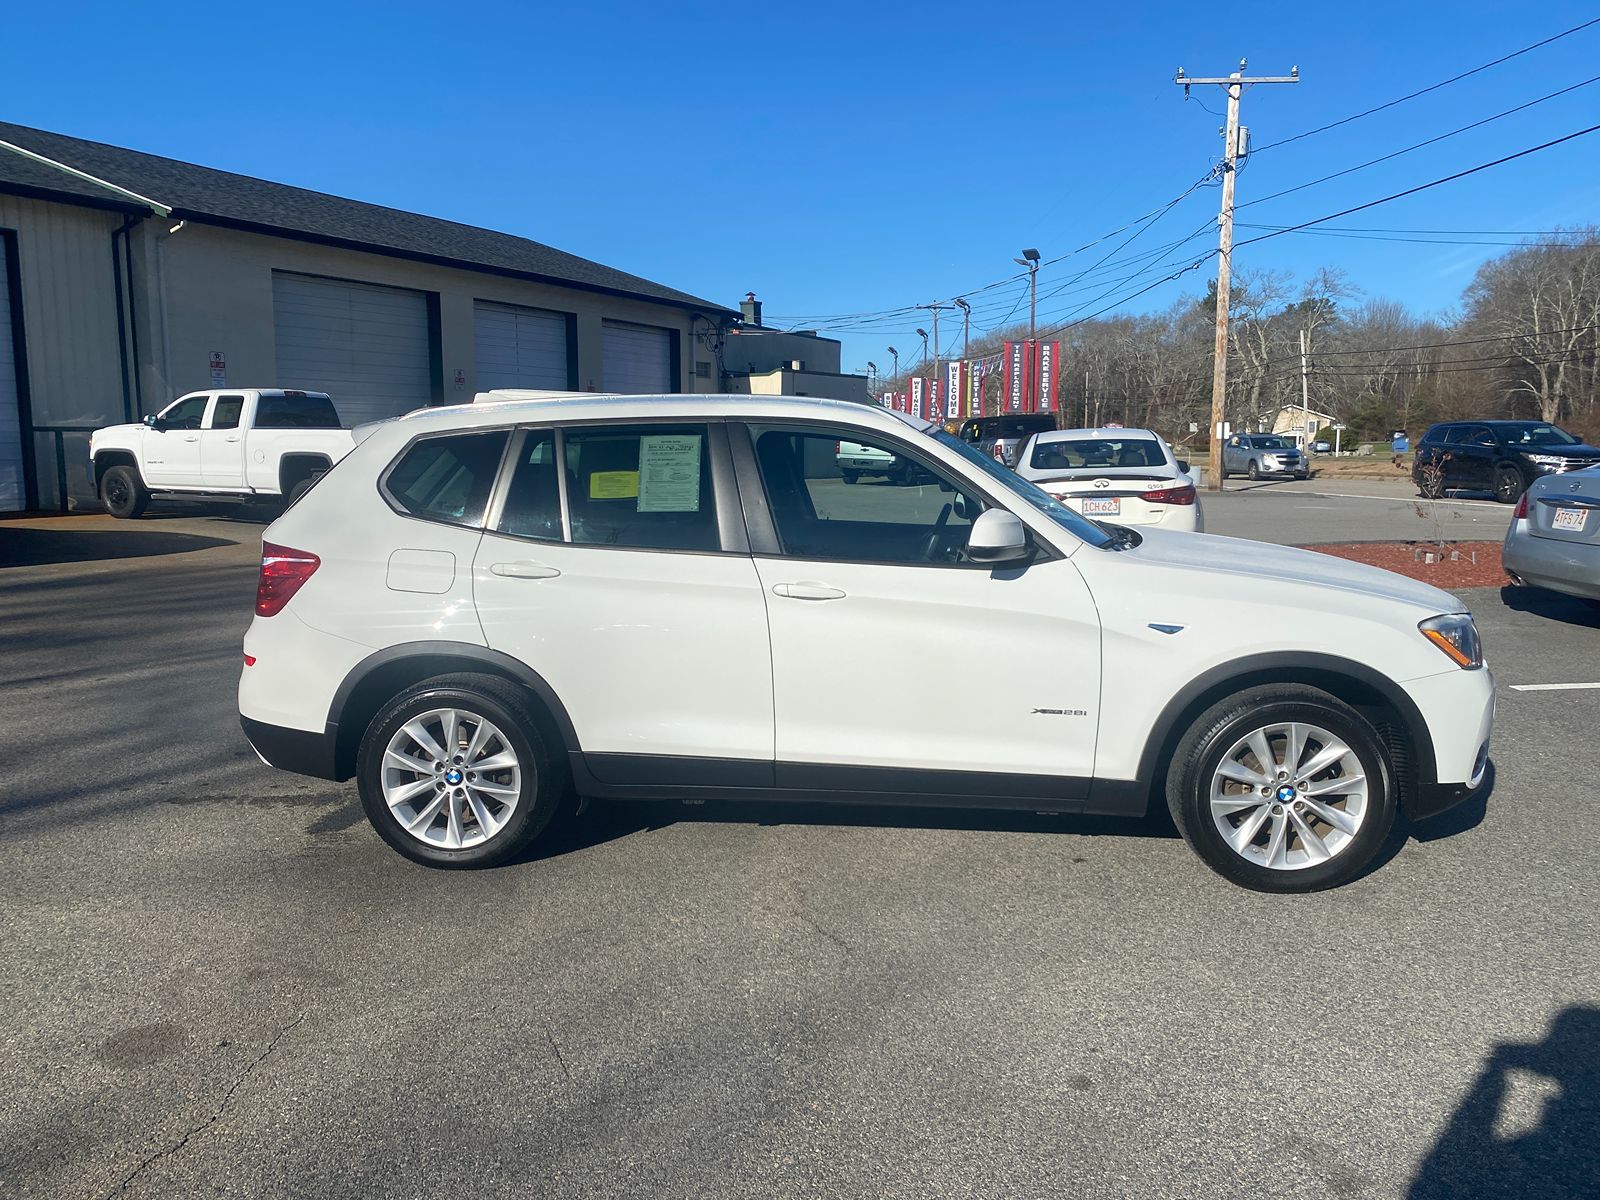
pixel 1282 788
pixel 124 493
pixel 453 773
pixel 300 487
pixel 851 476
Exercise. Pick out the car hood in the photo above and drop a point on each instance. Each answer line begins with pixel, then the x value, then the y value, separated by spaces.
pixel 1582 450
pixel 1259 561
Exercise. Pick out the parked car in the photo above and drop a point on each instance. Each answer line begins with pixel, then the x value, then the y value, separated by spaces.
pixel 1129 476
pixel 1554 538
pixel 1001 437
pixel 1261 454
pixel 856 460
pixel 1502 457
pixel 233 442
pixel 484 608
pixel 1322 448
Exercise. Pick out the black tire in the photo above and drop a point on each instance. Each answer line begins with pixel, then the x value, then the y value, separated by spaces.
pixel 1215 731
pixel 1253 471
pixel 543 779
pixel 1302 475
pixel 1508 485
pixel 1430 485
pixel 124 493
pixel 851 476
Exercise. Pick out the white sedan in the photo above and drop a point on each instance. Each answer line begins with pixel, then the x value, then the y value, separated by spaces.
pixel 1126 476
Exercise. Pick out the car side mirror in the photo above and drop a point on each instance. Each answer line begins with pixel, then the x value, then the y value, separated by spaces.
pixel 1183 465
pixel 155 422
pixel 997 536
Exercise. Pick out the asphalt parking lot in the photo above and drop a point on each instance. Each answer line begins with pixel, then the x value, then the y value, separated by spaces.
pixel 219 982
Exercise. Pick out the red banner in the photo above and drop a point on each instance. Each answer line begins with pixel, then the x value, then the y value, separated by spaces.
pixel 918 396
pixel 1049 370
pixel 1016 375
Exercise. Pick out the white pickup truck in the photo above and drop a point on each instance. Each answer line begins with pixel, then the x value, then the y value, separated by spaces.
pixel 232 442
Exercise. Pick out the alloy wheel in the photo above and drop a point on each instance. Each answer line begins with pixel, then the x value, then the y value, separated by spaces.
pixel 451 778
pixel 1289 795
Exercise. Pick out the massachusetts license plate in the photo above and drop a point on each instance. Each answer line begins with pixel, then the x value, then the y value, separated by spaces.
pixel 1103 506
pixel 1570 518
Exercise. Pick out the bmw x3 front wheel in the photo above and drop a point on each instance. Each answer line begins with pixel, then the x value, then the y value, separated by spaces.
pixel 1282 788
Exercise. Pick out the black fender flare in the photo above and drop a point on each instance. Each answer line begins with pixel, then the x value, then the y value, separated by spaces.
pixel 1289 666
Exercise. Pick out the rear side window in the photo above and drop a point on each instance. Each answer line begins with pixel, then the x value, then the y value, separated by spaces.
pixel 226 413
pixel 647 487
pixel 533 499
pixel 296 412
pixel 1436 436
pixel 447 479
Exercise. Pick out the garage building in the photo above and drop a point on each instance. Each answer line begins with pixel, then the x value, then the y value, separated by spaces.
pixel 127 279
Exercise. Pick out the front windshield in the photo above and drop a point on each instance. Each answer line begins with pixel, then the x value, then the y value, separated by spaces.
pixel 1538 435
pixel 1272 443
pixel 1080 527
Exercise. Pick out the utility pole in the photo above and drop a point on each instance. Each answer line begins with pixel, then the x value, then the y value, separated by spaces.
pixel 1235 83
pixel 1305 398
pixel 934 309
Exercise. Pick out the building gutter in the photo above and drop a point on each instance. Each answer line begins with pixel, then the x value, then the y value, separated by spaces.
pixel 130 377
pixel 155 206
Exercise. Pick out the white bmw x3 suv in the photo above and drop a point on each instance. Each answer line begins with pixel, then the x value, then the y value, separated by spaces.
pixel 484 609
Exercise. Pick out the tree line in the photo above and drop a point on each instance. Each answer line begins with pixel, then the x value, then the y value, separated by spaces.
pixel 1523 342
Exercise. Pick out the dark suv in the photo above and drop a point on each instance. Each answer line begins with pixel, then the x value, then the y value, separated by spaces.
pixel 1001 437
pixel 1502 457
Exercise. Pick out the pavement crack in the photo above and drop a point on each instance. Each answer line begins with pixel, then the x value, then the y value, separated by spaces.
pixel 550 1036
pixel 194 1131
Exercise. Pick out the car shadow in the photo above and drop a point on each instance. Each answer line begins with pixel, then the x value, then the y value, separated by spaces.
pixel 1529 1125
pixel 1469 814
pixel 1572 610
pixel 40 547
pixel 601 821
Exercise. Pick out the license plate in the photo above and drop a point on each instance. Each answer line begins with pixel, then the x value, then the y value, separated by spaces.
pixel 1571 518
pixel 1105 506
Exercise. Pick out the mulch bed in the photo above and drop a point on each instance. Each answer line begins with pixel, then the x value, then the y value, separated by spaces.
pixel 1452 566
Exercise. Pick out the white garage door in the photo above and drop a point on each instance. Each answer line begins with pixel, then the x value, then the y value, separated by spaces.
pixel 520 347
pixel 367 346
pixel 636 359
pixel 11 493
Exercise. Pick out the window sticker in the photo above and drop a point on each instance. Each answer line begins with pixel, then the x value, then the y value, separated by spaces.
pixel 613 485
pixel 669 473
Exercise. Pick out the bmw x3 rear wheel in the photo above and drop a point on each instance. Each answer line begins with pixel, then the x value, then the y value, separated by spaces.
pixel 1283 788
pixel 453 773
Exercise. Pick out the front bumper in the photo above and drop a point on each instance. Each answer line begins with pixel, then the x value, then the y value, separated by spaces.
pixel 297 750
pixel 1458 708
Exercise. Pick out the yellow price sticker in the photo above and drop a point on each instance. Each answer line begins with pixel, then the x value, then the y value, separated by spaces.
pixel 613 485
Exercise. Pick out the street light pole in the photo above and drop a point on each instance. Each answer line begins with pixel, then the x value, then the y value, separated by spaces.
pixel 1030 259
pixel 895 357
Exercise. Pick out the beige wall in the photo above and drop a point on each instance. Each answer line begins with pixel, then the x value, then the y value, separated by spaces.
pixel 801 383
pixel 218 297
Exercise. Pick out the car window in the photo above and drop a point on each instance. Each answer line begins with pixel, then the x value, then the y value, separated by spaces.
pixel 851 497
pixel 1471 435
pixel 186 414
pixel 225 413
pixel 1437 435
pixel 296 412
pixel 447 478
pixel 1537 435
pixel 1074 453
pixel 1031 493
pixel 643 486
pixel 533 498
pixel 1271 443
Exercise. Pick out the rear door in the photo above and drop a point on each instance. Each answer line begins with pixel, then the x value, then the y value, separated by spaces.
pixel 222 443
pixel 1472 451
pixel 615 565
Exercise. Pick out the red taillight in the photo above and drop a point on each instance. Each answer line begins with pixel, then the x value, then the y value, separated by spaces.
pixel 283 571
pixel 1522 508
pixel 836 447
pixel 1173 495
pixel 249 660
pixel 999 454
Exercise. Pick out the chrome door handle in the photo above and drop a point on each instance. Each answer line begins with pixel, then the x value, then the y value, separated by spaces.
pixel 807 591
pixel 232 439
pixel 195 438
pixel 524 569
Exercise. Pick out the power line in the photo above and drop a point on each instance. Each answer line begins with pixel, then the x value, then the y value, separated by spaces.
pixel 1419 145
pixel 1502 337
pixel 1430 241
pixel 1431 88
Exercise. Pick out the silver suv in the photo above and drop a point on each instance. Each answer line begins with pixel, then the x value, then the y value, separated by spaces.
pixel 1261 454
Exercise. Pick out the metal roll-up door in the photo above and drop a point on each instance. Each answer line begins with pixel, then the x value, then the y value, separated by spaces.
pixel 12 494
pixel 365 345
pixel 520 347
pixel 636 359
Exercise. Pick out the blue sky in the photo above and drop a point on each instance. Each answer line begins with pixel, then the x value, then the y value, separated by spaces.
pixel 848 158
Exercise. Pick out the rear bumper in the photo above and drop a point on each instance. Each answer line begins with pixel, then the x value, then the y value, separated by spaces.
pixel 1572 568
pixel 297 750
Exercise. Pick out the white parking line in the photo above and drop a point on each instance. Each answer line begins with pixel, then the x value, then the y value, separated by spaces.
pixel 1402 499
pixel 1554 687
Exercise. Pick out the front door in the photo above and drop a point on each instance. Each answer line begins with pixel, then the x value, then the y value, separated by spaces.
pixel 899 666
pixel 172 452
pixel 222 444
pixel 608 570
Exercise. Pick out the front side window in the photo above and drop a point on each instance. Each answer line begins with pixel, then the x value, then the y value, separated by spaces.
pixel 1031 493
pixel 225 413
pixel 850 497
pixel 186 414
pixel 447 479
pixel 647 487
pixel 1074 453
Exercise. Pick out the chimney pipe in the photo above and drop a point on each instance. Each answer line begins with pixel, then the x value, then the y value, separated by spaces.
pixel 750 309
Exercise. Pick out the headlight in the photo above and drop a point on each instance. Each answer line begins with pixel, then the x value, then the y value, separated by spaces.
pixel 1545 460
pixel 1457 636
